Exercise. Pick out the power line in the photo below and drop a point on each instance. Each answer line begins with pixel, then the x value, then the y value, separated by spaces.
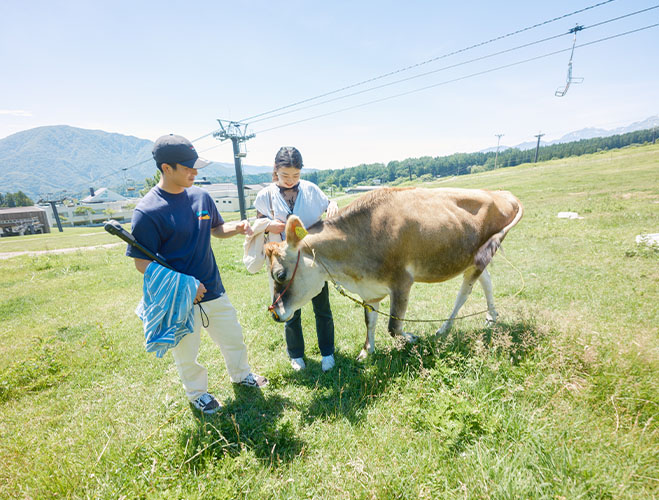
pixel 501 37
pixel 491 70
pixel 452 66
pixel 111 174
pixel 456 65
pixel 117 172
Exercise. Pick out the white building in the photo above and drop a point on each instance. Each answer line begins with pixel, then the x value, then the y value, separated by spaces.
pixel 225 195
pixel 96 208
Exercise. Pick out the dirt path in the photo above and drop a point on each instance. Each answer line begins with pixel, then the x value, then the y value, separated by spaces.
pixel 9 255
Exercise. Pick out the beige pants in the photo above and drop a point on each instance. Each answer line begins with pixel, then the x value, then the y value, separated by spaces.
pixel 226 332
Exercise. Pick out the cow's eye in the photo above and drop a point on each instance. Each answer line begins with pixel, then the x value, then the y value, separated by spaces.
pixel 279 276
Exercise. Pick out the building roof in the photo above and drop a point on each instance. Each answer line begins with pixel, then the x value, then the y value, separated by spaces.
pixel 362 189
pixel 21 210
pixel 103 195
pixel 257 187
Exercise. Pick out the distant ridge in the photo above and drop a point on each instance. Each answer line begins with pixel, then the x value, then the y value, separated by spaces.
pixel 61 158
pixel 55 159
pixel 584 133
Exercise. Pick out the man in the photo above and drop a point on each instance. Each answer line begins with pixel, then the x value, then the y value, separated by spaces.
pixel 176 220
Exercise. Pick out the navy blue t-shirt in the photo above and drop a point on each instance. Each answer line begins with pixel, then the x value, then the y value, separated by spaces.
pixel 177 227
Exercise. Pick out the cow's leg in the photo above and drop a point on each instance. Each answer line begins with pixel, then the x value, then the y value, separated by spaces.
pixel 470 277
pixel 371 319
pixel 399 298
pixel 486 283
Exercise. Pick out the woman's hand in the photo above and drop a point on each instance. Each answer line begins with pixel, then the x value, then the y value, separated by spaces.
pixel 276 227
pixel 332 209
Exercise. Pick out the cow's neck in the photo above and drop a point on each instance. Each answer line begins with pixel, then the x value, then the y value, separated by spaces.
pixel 324 244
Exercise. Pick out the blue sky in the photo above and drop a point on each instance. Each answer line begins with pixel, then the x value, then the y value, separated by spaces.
pixel 147 68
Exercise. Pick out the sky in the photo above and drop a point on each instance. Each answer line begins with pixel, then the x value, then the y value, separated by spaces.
pixel 148 68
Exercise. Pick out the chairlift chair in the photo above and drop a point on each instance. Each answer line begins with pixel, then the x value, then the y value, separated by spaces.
pixel 561 91
pixel 242 150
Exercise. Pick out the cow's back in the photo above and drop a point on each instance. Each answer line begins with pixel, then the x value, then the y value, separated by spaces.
pixel 432 234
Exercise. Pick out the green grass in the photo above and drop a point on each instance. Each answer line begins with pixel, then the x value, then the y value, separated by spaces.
pixel 559 400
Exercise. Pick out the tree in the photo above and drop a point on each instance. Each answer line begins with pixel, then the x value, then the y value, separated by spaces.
pixel 19 199
pixel 83 211
pixel 149 182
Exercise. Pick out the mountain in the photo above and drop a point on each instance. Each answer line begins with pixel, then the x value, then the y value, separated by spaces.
pixel 55 159
pixel 591 133
pixel 584 133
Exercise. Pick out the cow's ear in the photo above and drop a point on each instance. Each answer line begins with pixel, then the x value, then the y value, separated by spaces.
pixel 295 231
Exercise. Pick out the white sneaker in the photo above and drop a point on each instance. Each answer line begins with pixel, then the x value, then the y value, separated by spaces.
pixel 207 404
pixel 254 380
pixel 327 363
pixel 298 364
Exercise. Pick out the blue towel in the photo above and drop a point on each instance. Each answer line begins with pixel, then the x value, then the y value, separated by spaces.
pixel 167 307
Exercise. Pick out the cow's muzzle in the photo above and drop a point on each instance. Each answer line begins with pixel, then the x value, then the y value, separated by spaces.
pixel 274 314
pixel 271 307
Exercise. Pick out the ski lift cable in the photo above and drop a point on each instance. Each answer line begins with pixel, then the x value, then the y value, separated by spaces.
pixel 409 67
pixel 419 64
pixel 517 63
pixel 501 37
pixel 581 27
pixel 420 75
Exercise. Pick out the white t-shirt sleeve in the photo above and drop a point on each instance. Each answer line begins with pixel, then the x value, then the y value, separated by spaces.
pixel 262 202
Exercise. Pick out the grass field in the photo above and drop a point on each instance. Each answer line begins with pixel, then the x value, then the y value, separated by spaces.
pixel 559 400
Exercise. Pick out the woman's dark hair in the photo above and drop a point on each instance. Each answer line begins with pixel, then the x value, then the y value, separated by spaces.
pixel 287 156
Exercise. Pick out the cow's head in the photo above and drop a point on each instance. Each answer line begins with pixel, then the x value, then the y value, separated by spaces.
pixel 294 276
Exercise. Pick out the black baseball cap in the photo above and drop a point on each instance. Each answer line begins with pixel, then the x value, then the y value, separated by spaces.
pixel 173 149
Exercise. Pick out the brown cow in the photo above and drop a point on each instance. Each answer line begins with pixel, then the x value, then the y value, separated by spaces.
pixel 386 240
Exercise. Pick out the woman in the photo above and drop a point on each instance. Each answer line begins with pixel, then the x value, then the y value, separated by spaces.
pixel 288 194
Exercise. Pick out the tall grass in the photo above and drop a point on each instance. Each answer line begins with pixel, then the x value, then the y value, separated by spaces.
pixel 558 400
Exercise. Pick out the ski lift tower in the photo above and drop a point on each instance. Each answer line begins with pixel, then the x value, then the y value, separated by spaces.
pixel 237 132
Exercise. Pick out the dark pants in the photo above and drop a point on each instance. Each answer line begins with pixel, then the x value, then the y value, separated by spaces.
pixel 324 327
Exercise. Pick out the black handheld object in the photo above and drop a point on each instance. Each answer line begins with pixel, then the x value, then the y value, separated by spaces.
pixel 114 228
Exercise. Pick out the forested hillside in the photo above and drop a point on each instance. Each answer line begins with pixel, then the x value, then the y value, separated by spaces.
pixel 465 163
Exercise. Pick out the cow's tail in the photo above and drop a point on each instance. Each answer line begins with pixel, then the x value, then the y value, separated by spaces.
pixel 487 251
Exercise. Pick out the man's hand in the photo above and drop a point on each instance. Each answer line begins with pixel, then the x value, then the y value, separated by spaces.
pixel 201 291
pixel 141 264
pixel 243 227
pixel 231 229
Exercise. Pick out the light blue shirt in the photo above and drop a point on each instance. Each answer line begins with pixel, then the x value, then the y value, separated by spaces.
pixel 166 309
pixel 310 204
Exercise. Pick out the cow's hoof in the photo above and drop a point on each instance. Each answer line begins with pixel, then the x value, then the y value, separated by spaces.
pixel 443 330
pixel 490 319
pixel 411 339
pixel 362 355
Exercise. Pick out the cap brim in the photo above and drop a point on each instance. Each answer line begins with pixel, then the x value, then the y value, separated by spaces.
pixel 196 164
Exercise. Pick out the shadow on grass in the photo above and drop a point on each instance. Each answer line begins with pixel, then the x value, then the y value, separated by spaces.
pixel 349 389
pixel 254 419
pixel 251 421
pixel 512 340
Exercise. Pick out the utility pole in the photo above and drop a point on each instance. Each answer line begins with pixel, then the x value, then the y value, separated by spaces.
pixel 123 175
pixel 537 147
pixel 496 157
pixel 237 132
